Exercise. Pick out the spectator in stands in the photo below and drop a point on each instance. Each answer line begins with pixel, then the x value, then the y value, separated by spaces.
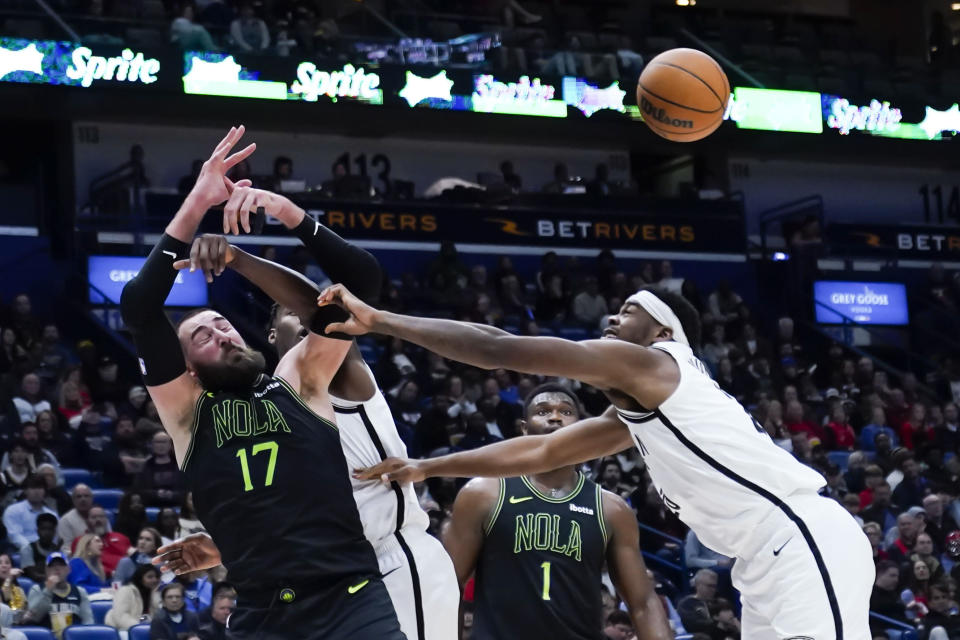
pixel 838 434
pixel 16 469
pixel 71 403
pixel 33 555
pixel 694 609
pixel 23 320
pixel 14 357
pixel 725 621
pixel 220 610
pixel 161 482
pixel 131 514
pixel 796 422
pixel 879 510
pixel 10 592
pixel 913 488
pixel 909 526
pixel 609 475
pixel 718 348
pixel 53 355
pixel 125 455
pixel 137 602
pixel 198 590
pixel 667 280
pixel 561 176
pixel 31 401
pixel 510 177
pixel 148 542
pixel 618 626
pixel 478 433
pixel 106 387
pixel 50 437
pixel 875 535
pixel 854 476
pixel 884 454
pixel 885 598
pixel 938 523
pixel 86 567
pixel 188 35
pixel 36 454
pixel 172 618
pixel 924 552
pixel 73 524
pixel 189 522
pixel 248 31
pixel 115 545
pixel 57 604
pixel 168 524
pixel 724 303
pixel 185 184
pixel 836 487
pixel 90 440
pixel 217 590
pixel 851 502
pixel 20 518
pixel 600 186
pixel 589 305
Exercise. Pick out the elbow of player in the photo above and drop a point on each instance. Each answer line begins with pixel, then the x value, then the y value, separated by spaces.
pixel 131 307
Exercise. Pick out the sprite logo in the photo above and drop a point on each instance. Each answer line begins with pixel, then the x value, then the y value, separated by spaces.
pixel 660 115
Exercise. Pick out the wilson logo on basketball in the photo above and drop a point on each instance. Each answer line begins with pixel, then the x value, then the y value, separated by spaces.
pixel 660 115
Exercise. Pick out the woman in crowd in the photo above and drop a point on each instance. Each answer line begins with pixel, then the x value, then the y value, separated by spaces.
pixel 10 592
pixel 137 602
pixel 51 437
pixel 86 567
pixel 131 514
pixel 168 524
pixel 57 497
pixel 173 619
pixel 147 544
pixel 875 535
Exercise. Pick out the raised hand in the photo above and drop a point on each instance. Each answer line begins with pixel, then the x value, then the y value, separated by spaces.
pixel 243 199
pixel 210 254
pixel 402 470
pixel 363 318
pixel 210 189
pixel 195 552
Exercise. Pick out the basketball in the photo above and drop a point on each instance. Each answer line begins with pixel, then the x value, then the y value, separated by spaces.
pixel 682 94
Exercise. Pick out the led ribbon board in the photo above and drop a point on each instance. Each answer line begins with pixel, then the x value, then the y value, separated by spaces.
pixel 109 274
pixel 775 110
pixel 72 64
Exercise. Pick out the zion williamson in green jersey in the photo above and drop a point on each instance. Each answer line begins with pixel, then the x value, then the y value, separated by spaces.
pixel 537 546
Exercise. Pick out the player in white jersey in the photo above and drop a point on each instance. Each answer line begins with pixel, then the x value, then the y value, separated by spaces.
pixel 804 568
pixel 416 569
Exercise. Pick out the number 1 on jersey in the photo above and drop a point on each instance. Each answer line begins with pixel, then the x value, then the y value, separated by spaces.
pixel 546 580
pixel 272 447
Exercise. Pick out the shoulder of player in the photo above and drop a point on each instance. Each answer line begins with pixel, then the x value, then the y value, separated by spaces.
pixel 636 356
pixel 480 491
pixel 616 511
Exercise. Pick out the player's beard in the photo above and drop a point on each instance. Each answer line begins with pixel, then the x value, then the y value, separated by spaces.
pixel 236 372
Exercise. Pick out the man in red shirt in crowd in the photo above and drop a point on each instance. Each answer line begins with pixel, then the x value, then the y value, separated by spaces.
pixel 115 545
pixel 795 422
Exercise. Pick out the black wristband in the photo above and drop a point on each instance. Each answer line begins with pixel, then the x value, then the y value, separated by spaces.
pixel 141 305
pixel 343 262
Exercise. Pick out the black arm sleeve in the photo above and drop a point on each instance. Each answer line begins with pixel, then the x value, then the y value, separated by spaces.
pixel 141 305
pixel 344 263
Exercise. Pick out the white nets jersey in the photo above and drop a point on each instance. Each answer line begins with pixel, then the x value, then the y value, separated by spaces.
pixel 712 464
pixel 368 435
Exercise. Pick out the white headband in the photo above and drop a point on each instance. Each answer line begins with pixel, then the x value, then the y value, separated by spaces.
pixel 660 312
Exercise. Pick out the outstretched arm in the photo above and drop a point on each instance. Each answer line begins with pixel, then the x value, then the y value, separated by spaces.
pixel 629 573
pixel 172 389
pixel 648 375
pixel 586 440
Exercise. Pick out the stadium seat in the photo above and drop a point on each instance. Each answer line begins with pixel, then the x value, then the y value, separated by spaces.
pixel 152 513
pixel 111 516
pixel 573 333
pixel 107 498
pixel 73 477
pixel 15 559
pixel 839 458
pixel 100 608
pixel 25 583
pixel 37 633
pixel 140 632
pixel 90 632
